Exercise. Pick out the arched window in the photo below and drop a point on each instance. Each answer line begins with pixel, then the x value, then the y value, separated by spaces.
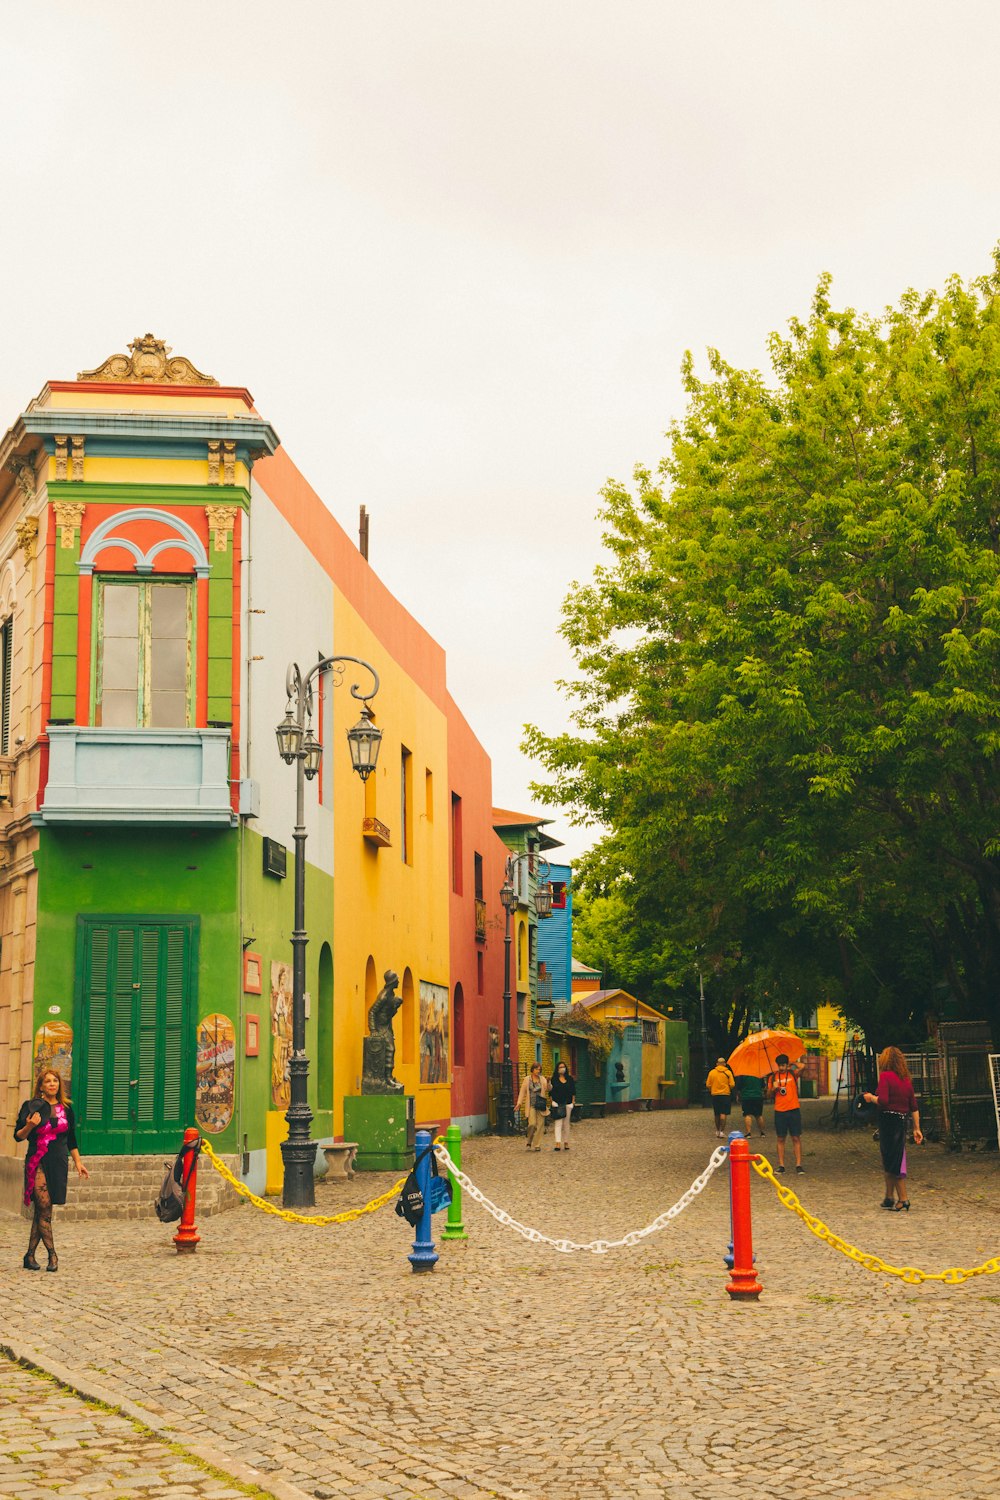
pixel 409 1020
pixel 459 1027
pixel 371 987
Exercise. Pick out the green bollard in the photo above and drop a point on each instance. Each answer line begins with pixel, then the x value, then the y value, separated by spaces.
pixel 454 1229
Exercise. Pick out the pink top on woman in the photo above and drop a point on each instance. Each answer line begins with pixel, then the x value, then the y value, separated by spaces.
pixel 896 1094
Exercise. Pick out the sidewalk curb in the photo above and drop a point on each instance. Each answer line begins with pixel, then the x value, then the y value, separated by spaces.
pixel 92 1390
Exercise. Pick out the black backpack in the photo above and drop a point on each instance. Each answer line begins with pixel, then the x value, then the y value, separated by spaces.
pixel 173 1192
pixel 410 1204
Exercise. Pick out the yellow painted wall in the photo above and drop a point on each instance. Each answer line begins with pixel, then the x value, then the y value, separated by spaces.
pixel 624 1007
pixel 394 911
pixel 830 1031
pixel 105 469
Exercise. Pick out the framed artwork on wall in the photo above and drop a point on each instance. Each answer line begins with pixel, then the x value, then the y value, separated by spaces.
pixel 252 1044
pixel 253 972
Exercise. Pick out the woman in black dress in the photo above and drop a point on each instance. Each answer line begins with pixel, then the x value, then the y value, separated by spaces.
pixel 562 1092
pixel 47 1122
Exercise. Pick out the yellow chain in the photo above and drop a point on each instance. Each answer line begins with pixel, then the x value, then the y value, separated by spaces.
pixel 347 1217
pixel 911 1274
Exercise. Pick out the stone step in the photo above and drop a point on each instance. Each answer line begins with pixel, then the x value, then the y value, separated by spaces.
pixel 126 1187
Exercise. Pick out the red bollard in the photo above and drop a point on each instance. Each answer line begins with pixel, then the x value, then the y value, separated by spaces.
pixel 743 1278
pixel 187 1237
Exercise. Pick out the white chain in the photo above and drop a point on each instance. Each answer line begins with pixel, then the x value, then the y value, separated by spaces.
pixel 598 1247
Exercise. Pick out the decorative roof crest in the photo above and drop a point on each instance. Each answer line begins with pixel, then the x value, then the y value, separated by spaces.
pixel 148 363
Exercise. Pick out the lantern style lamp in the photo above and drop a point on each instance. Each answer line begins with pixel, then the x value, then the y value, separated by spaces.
pixel 364 739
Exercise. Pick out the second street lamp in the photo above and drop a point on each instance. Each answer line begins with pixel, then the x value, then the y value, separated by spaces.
pixel 297 743
pixel 543 907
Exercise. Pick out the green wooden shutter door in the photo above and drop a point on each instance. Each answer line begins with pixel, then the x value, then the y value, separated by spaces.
pixel 119 1057
pixel 177 1026
pixel 137 987
pixel 149 989
pixel 95 1019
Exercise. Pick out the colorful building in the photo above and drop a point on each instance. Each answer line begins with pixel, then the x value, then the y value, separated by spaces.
pixel 524 836
pixel 161 563
pixel 648 1061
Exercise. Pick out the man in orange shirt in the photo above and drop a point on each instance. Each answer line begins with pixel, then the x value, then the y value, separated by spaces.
pixel 783 1087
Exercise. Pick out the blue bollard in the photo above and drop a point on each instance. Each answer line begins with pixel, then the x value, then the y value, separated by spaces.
pixel 424 1257
pixel 729 1259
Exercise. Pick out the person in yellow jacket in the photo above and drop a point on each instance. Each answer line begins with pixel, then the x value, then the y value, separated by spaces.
pixel 720 1084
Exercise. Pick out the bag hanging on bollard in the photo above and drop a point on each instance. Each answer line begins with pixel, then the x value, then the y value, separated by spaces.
pixel 173 1193
pixel 410 1204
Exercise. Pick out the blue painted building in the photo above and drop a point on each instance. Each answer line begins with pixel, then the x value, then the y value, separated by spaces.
pixel 555 941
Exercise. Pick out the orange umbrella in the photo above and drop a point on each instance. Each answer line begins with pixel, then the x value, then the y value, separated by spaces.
pixel 755 1056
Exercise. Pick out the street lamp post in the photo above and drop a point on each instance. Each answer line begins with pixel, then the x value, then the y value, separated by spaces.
pixel 543 906
pixel 297 743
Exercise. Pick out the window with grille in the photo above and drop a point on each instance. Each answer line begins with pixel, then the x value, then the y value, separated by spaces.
pixel 6 649
pixel 651 1033
pixel 144 677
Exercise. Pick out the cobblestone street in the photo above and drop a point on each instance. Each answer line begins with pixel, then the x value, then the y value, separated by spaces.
pixel 54 1444
pixel 317 1358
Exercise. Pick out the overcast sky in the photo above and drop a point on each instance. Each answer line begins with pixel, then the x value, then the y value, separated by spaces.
pixel 457 250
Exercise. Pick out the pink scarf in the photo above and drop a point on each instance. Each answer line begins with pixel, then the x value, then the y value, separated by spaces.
pixel 56 1124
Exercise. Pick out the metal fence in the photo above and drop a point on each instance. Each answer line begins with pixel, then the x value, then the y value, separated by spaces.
pixel 494 1079
pixel 953 1085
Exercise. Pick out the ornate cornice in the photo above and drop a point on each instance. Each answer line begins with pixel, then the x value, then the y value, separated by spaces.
pixel 148 363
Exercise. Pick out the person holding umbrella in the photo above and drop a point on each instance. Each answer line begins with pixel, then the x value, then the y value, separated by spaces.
pixel 783 1086
pixel 754 1061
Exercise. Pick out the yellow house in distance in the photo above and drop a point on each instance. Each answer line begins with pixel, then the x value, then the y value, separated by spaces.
pixel 824 1031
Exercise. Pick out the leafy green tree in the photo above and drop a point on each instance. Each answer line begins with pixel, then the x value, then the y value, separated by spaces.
pixel 788 705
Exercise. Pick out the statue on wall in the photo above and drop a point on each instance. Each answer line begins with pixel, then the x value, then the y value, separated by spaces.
pixel 379 1051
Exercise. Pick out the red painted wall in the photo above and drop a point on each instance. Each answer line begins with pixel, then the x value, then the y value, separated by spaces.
pixel 470 777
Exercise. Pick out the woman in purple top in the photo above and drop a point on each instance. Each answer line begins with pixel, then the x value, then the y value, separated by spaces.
pixel 47 1122
pixel 896 1103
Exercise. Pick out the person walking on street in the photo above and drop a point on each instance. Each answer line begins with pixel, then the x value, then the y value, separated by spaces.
pixel 720 1084
pixel 532 1099
pixel 896 1103
pixel 751 1092
pixel 783 1086
pixel 562 1096
pixel 47 1122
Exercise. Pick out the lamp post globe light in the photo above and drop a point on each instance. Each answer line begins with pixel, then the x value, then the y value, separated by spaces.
pixel 299 745
pixel 543 908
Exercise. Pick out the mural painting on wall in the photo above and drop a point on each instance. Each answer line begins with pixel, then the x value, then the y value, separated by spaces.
pixel 215 1076
pixel 281 1034
pixel 433 1033
pixel 54 1049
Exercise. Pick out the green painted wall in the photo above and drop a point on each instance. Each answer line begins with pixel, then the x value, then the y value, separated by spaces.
pixel 268 920
pixel 174 871
pixel 151 871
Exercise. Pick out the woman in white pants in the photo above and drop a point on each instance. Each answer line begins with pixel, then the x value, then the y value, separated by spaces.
pixel 562 1094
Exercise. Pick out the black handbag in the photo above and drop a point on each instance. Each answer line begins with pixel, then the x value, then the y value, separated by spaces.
pixel 557 1111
